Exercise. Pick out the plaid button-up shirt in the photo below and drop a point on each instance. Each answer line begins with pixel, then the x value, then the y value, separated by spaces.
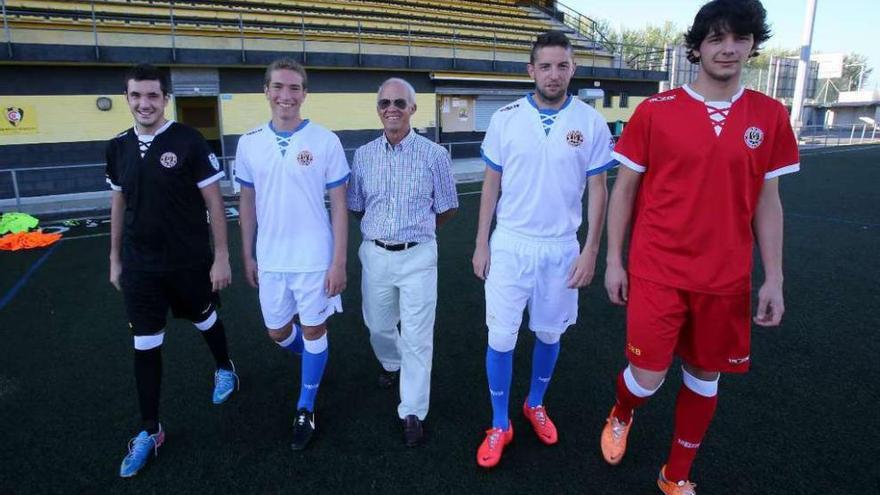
pixel 401 188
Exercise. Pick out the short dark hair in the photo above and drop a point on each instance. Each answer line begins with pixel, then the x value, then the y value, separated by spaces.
pixel 550 38
pixel 286 64
pixel 735 16
pixel 147 72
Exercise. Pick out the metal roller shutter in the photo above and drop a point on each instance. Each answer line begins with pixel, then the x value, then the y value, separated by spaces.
pixel 486 106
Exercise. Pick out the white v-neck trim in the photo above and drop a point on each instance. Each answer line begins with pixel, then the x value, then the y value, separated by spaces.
pixel 160 130
pixel 697 96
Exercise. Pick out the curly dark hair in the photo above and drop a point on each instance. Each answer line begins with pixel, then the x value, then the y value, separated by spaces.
pixel 550 38
pixel 736 16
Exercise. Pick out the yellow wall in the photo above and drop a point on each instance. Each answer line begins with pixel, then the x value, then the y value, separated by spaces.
pixel 70 118
pixel 614 112
pixel 335 111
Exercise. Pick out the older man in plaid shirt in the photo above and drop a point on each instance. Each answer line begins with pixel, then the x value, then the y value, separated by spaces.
pixel 402 189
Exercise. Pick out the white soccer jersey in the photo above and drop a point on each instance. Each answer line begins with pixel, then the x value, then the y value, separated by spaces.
pixel 545 158
pixel 289 174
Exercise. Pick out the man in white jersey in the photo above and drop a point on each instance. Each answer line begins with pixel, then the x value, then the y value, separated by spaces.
pixel 285 166
pixel 542 151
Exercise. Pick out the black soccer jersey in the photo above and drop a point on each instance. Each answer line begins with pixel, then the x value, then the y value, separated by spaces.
pixel 165 222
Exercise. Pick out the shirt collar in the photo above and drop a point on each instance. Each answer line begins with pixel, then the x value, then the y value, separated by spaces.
pixel 160 130
pixel 403 144
pixel 287 134
pixel 531 98
pixel 697 96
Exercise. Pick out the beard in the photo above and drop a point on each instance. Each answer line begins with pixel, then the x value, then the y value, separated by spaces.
pixel 552 98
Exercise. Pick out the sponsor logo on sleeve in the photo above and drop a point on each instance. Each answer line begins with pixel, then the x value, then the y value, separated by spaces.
pixel 660 99
pixel 214 161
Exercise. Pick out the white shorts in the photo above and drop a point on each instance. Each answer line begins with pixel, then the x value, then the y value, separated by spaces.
pixel 283 295
pixel 533 273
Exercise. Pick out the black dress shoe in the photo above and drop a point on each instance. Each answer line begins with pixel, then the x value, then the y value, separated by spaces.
pixel 387 379
pixel 412 431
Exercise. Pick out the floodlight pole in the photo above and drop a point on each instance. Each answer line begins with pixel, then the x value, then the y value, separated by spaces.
pixel 800 84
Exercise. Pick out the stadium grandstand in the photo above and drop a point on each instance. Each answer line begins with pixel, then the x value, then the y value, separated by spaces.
pixel 63 62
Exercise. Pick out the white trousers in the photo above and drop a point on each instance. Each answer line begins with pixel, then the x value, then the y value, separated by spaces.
pixel 401 286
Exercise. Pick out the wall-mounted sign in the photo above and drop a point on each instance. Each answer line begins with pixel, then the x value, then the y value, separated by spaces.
pixel 18 119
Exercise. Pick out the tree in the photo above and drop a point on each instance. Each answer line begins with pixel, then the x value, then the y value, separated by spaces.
pixel 641 48
pixel 762 61
pixel 648 36
pixel 855 70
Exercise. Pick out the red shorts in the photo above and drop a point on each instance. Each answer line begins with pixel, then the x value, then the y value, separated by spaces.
pixel 708 331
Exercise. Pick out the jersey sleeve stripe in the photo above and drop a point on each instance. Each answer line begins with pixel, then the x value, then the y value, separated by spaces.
pixel 339 182
pixel 788 169
pixel 629 163
pixel 210 180
pixel 244 182
pixel 494 166
pixel 113 186
pixel 598 170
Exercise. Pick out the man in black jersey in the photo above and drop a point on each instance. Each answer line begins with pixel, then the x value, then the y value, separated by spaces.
pixel 164 177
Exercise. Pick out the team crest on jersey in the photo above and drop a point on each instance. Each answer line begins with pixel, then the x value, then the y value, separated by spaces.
pixel 611 143
pixel 214 161
pixel 168 159
pixel 754 137
pixel 305 158
pixel 574 138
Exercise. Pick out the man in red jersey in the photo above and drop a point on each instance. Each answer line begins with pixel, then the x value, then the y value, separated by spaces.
pixel 699 181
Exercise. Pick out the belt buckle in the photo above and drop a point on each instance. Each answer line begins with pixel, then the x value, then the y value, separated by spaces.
pixel 394 247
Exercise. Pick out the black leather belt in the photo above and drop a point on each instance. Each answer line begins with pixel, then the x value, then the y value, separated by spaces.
pixel 395 247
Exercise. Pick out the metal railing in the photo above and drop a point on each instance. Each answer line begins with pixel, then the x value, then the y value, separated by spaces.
pixel 581 24
pixel 94 181
pixel 301 27
pixel 809 137
pixel 820 136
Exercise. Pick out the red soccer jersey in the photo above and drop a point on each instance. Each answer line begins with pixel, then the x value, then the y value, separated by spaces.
pixel 692 223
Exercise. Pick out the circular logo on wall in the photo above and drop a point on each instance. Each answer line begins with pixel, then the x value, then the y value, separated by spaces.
pixel 574 138
pixel 168 159
pixel 754 137
pixel 305 158
pixel 14 115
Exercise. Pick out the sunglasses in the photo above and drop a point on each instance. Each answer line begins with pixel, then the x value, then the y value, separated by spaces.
pixel 399 103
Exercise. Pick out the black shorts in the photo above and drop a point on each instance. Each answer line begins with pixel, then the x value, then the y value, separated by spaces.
pixel 149 295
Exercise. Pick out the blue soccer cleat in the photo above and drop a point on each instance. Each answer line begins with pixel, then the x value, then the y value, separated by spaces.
pixel 225 382
pixel 140 449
